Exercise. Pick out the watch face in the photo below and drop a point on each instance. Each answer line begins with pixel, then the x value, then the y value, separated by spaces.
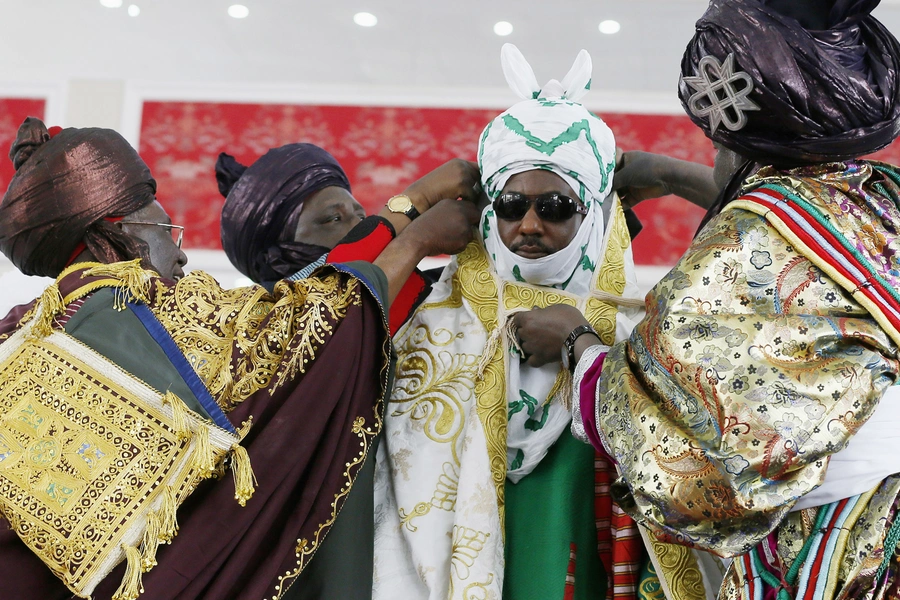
pixel 399 204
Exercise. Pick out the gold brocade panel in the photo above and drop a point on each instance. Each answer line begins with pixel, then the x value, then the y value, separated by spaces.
pixel 78 460
pixel 243 340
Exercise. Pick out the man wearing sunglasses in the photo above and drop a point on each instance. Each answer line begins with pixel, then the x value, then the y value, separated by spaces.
pixel 481 484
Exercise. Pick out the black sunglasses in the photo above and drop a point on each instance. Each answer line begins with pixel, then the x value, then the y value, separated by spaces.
pixel 552 207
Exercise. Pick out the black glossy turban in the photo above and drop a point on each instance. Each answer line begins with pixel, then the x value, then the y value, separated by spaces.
pixel 263 204
pixel 823 95
pixel 64 189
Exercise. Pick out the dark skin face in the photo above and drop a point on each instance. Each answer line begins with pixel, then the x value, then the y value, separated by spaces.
pixel 327 216
pixel 165 255
pixel 533 237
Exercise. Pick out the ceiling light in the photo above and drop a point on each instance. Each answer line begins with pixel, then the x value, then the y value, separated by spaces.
pixel 503 28
pixel 134 10
pixel 609 27
pixel 364 19
pixel 111 3
pixel 238 11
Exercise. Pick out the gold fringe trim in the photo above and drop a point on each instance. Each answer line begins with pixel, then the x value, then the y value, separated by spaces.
pixel 244 479
pixel 49 306
pixel 168 520
pixel 131 586
pixel 489 348
pixel 180 413
pixel 616 299
pixel 134 281
pixel 562 390
pixel 204 459
pixel 150 543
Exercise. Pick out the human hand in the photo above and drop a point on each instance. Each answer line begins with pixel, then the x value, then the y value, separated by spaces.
pixel 445 229
pixel 640 176
pixel 455 178
pixel 542 331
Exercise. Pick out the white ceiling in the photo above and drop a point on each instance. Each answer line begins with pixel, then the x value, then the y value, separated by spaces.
pixel 416 42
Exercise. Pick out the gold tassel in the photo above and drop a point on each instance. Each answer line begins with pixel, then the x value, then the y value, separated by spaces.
pixel 131 586
pixel 562 390
pixel 135 281
pixel 51 306
pixel 150 543
pixel 490 346
pixel 244 478
pixel 180 411
pixel 168 520
pixel 204 460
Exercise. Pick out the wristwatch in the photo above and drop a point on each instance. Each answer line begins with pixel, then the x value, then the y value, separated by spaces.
pixel 403 205
pixel 568 347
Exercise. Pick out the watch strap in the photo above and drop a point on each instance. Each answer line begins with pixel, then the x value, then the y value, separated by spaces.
pixel 412 212
pixel 569 344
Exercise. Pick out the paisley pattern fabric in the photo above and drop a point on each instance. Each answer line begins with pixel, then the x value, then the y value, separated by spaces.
pixel 752 367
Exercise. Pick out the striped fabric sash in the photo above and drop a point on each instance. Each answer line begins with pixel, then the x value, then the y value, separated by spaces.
pixel 816 237
pixel 618 540
pixel 815 577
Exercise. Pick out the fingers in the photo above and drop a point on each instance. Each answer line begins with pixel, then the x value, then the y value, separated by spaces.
pixel 471 212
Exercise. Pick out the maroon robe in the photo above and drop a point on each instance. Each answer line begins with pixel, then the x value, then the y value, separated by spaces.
pixel 307 427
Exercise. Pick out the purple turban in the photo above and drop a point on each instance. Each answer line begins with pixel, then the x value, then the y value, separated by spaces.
pixel 64 189
pixel 806 96
pixel 263 204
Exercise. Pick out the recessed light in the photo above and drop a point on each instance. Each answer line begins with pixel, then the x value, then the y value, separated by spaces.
pixel 364 19
pixel 134 10
pixel 238 11
pixel 503 28
pixel 111 3
pixel 609 27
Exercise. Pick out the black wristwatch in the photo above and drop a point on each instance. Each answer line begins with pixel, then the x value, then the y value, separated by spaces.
pixel 568 347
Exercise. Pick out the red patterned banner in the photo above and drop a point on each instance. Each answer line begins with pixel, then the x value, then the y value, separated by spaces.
pixel 12 112
pixel 383 149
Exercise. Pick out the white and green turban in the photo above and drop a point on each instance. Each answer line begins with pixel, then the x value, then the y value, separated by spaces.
pixel 549 130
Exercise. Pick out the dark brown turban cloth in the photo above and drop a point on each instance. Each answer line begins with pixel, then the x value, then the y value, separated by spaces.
pixel 824 96
pixel 263 204
pixel 63 190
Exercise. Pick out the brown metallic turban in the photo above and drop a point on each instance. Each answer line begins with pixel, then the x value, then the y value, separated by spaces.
pixel 263 204
pixel 761 84
pixel 63 190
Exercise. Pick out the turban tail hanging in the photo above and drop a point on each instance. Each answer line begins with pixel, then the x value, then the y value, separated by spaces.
pixel 263 204
pixel 63 189
pixel 808 97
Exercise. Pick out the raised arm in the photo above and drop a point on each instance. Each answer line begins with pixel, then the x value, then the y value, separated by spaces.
pixel 642 175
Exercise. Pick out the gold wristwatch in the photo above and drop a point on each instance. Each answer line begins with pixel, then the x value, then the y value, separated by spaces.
pixel 403 205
